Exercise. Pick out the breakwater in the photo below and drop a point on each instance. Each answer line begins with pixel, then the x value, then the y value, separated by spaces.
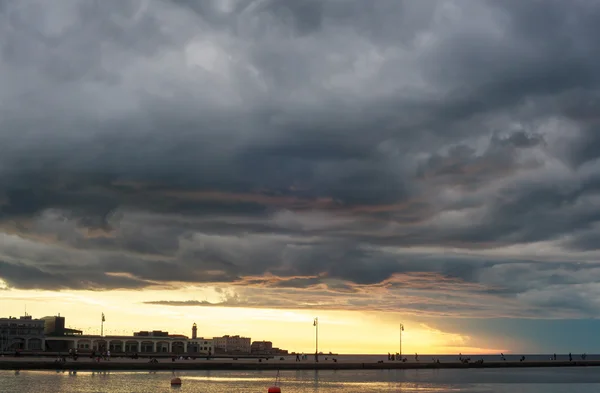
pixel 131 365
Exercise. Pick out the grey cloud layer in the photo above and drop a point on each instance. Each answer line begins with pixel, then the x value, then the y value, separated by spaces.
pixel 145 142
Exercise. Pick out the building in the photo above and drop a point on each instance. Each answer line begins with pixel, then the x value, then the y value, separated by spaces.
pixel 55 326
pixel 232 344
pixel 266 348
pixel 200 345
pixel 23 333
pixel 154 333
pixel 50 334
pixel 139 342
pixel 131 344
pixel 261 347
pixel 61 339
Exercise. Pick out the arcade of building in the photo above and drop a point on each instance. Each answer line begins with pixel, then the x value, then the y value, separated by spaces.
pixel 128 344
pixel 49 334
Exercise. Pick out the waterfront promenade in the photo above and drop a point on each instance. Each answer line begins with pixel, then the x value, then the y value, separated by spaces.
pixel 342 362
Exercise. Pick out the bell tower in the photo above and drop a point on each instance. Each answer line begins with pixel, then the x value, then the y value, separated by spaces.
pixel 194 331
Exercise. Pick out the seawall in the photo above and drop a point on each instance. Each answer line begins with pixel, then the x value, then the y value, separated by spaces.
pixel 116 365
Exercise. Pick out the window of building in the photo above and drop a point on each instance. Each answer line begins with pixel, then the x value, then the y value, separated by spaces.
pixel 35 344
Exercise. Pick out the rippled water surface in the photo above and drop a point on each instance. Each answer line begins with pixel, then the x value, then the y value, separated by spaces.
pixel 547 380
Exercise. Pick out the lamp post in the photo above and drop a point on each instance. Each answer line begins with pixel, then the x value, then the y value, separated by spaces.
pixel 316 325
pixel 102 326
pixel 401 330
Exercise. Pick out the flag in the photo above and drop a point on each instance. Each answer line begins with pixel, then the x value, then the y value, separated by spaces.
pixel 401 327
pixel 315 322
pixel 103 319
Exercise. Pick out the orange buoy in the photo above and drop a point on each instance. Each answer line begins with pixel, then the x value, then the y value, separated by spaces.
pixel 176 381
pixel 274 389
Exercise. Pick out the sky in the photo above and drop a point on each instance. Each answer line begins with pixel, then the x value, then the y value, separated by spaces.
pixel 249 165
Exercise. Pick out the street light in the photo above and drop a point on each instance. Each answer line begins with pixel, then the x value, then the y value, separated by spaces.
pixel 401 330
pixel 316 325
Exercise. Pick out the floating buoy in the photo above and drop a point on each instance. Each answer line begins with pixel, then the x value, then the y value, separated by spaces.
pixel 176 381
pixel 275 388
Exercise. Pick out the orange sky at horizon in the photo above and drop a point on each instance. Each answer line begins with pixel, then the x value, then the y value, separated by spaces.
pixel 345 332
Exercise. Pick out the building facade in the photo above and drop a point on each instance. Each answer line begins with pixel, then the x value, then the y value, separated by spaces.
pixel 153 333
pixel 266 348
pixel 129 344
pixel 261 347
pixel 232 344
pixel 138 344
pixel 51 334
pixel 55 326
pixel 142 342
pixel 201 345
pixel 21 334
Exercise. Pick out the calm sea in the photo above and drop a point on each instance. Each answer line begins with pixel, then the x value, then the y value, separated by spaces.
pixel 534 380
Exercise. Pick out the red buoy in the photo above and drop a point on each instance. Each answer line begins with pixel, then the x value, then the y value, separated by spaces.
pixel 274 389
pixel 176 381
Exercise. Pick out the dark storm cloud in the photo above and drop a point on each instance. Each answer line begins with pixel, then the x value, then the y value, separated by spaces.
pixel 462 165
pixel 30 277
pixel 354 146
pixel 56 277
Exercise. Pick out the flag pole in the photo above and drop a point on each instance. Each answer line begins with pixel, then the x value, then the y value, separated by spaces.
pixel 102 326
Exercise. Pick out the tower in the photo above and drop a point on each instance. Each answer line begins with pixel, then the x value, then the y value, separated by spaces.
pixel 194 331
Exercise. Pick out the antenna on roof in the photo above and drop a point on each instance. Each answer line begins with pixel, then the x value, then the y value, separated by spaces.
pixel 25 309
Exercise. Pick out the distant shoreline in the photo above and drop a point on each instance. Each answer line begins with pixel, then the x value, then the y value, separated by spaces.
pixel 240 365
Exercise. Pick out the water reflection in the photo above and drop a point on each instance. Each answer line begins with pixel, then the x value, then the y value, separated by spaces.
pixel 324 381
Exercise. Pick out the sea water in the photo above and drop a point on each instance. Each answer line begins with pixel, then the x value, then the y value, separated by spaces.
pixel 526 380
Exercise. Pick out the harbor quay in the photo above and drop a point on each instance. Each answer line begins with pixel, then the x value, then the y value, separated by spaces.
pixel 48 344
pixel 339 362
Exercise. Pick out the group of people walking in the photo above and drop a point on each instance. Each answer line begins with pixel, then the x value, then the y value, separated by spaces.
pixel 101 355
pixel 398 357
